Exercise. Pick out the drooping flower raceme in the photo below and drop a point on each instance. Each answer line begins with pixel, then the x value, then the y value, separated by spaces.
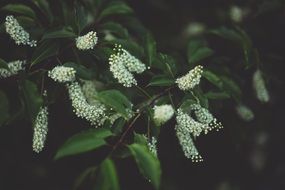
pixel 162 114
pixel 88 41
pixel 17 32
pixel 62 74
pixel 89 91
pixel 40 130
pixel 244 112
pixel 191 79
pixel 95 114
pixel 259 87
pixel 14 68
pixel 123 64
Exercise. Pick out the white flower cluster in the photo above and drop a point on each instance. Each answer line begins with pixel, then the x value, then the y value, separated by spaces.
pixel 14 68
pixel 244 112
pixel 123 64
pixel 152 145
pixel 95 114
pixel 88 41
pixel 40 130
pixel 187 127
pixel 17 32
pixel 259 87
pixel 62 74
pixel 191 79
pixel 238 14
pixel 162 114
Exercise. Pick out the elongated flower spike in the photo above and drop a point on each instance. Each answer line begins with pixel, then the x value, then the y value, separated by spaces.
pixel 62 74
pixel 14 68
pixel 86 42
pixel 17 32
pixel 152 145
pixel 162 114
pixel 40 130
pixel 260 87
pixel 191 79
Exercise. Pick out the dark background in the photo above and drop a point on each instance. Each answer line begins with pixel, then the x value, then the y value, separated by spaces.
pixel 244 155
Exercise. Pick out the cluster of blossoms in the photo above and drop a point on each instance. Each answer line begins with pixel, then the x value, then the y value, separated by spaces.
pixel 152 145
pixel 191 79
pixel 88 41
pixel 162 114
pixel 187 127
pixel 123 64
pixel 62 74
pixel 95 114
pixel 244 112
pixel 17 32
pixel 259 87
pixel 89 91
pixel 40 130
pixel 14 68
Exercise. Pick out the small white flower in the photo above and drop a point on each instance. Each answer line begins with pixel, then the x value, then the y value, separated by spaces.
pixel 244 112
pixel 90 92
pixel 17 32
pixel 40 130
pixel 62 74
pixel 259 87
pixel 237 14
pixel 152 145
pixel 162 114
pixel 88 41
pixel 14 68
pixel 95 114
pixel 191 79
pixel 123 64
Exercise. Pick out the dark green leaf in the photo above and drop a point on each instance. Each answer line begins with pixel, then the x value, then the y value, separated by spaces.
pixel 43 5
pixel 228 34
pixel 213 78
pixel 44 51
pixel 161 80
pixel 4 64
pixel 140 139
pixel 4 108
pixel 116 29
pixel 108 178
pixel 217 95
pixel 231 87
pixel 83 142
pixel 148 163
pixel 150 48
pixel 115 8
pixel 166 63
pixel 33 99
pixel 82 177
pixel 116 100
pixel 20 9
pixel 80 17
pixel 197 51
pixel 81 71
pixel 62 33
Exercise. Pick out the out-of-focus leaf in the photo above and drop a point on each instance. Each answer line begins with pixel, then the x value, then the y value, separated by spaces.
pixel 107 177
pixel 166 63
pixel 217 95
pixel 161 80
pixel 82 177
pixel 116 29
pixel 81 71
pixel 33 99
pixel 4 64
pixel 80 17
pixel 148 163
pixel 150 48
pixel 228 34
pixel 231 87
pixel 116 100
pixel 213 78
pixel 115 8
pixel 20 9
pixel 197 51
pixel 4 108
pixel 118 125
pixel 140 139
pixel 44 51
pixel 62 33
pixel 43 5
pixel 83 142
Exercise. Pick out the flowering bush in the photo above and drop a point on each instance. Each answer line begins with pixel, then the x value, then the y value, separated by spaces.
pixel 106 66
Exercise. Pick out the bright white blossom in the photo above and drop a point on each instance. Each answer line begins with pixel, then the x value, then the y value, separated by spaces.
pixel 62 74
pixel 259 87
pixel 14 68
pixel 40 130
pixel 88 41
pixel 244 112
pixel 152 145
pixel 95 114
pixel 17 32
pixel 123 64
pixel 191 79
pixel 162 114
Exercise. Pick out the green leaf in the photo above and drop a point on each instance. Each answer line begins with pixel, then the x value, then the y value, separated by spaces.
pixel 20 9
pixel 43 5
pixel 62 33
pixel 4 108
pixel 81 71
pixel 4 64
pixel 213 78
pixel 140 139
pixel 108 178
pixel 197 51
pixel 80 17
pixel 45 50
pixel 82 177
pixel 231 87
pixel 83 142
pixel 228 34
pixel 32 97
pixel 150 48
pixel 116 100
pixel 148 163
pixel 161 80
pixel 116 29
pixel 166 63
pixel 115 8
pixel 217 95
